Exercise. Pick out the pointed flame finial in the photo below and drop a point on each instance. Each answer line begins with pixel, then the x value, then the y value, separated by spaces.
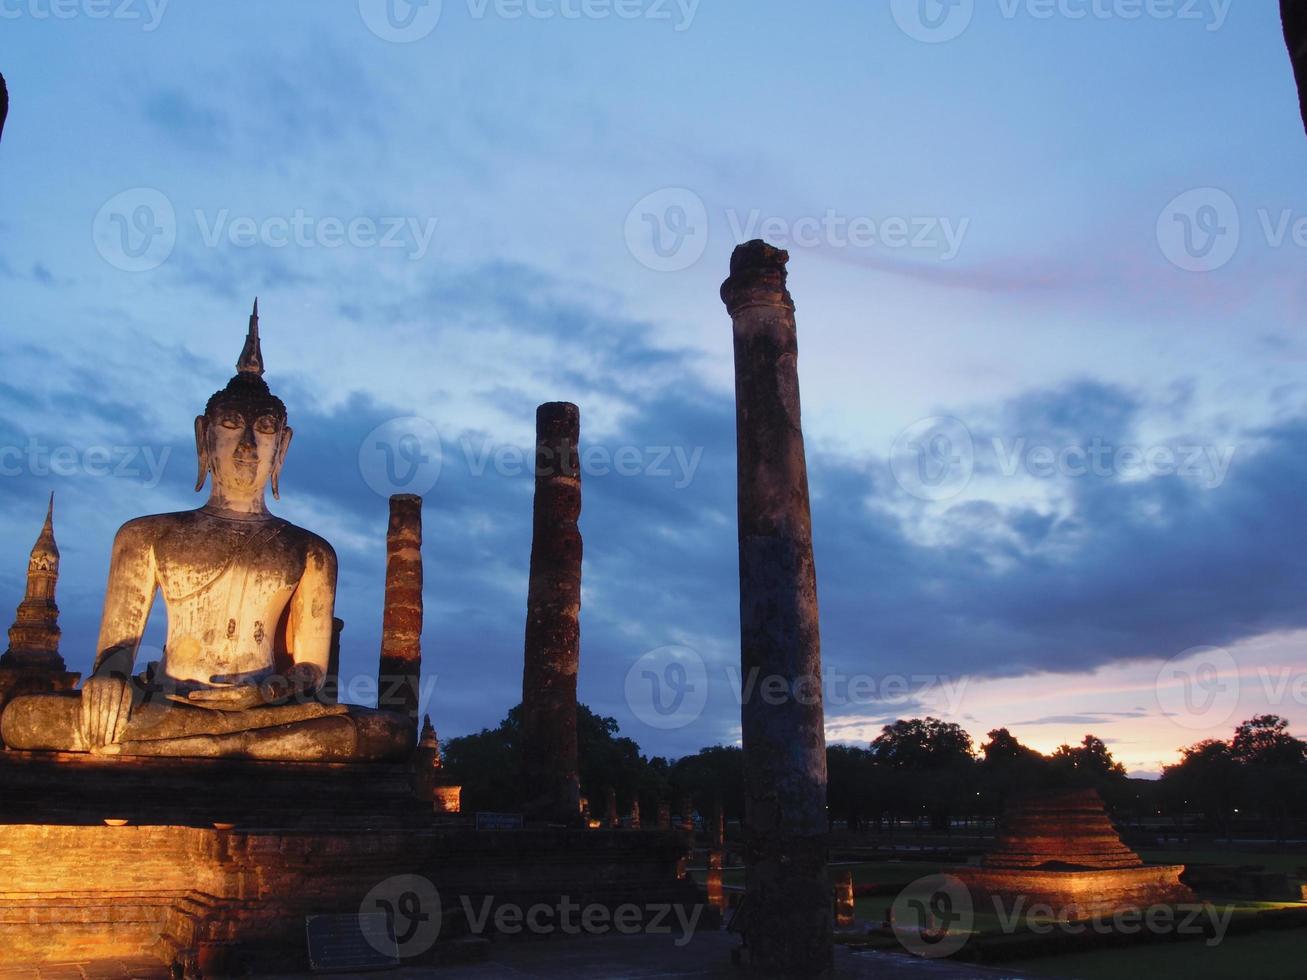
pixel 251 359
pixel 45 544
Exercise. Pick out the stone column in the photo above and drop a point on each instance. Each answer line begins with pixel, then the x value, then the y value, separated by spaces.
pixel 330 693
pixel 844 903
pixel 551 777
pixel 687 813
pixel 610 809
pixel 715 888
pixel 635 814
pixel 789 928
pixel 400 671
pixel 717 828
pixel 664 816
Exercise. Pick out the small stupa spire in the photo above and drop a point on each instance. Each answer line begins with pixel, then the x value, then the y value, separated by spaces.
pixel 45 544
pixel 34 637
pixel 251 359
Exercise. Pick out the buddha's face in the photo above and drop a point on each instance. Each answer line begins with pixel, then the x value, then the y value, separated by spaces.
pixel 244 449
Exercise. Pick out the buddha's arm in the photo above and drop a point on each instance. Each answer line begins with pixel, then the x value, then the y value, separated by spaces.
pixel 106 697
pixel 309 626
pixel 127 599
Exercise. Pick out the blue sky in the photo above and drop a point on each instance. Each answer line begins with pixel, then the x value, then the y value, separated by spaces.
pixel 456 220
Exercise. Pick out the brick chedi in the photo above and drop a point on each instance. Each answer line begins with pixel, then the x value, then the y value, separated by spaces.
pixel 34 637
pixel 32 664
pixel 1061 849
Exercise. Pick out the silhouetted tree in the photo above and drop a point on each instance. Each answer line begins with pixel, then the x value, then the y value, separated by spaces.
pixel 1208 779
pixel 935 764
pixel 1009 769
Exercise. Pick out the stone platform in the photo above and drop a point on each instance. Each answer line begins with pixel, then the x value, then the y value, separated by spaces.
pixel 306 840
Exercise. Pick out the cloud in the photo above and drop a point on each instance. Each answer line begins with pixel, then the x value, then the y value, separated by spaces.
pixel 1125 569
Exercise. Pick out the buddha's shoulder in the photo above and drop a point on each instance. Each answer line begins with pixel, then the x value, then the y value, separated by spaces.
pixel 313 544
pixel 151 526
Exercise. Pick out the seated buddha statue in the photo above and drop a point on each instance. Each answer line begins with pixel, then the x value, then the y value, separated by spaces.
pixel 249 600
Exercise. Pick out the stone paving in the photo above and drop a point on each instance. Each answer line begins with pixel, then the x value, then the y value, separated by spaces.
pixel 638 957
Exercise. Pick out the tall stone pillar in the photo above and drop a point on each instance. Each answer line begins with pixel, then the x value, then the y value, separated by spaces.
pixel 610 809
pixel 551 778
pixel 1294 15
pixel 399 674
pixel 788 929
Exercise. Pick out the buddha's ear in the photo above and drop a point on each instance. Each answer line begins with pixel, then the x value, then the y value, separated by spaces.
pixel 201 451
pixel 283 445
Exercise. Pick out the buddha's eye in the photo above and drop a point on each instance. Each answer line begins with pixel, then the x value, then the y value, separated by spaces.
pixel 265 424
pixel 231 420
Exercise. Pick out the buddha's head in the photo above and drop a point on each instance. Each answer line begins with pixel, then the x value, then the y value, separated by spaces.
pixel 242 437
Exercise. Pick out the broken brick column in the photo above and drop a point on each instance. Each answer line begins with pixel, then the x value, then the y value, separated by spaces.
pixel 550 772
pixel 788 929
pixel 399 674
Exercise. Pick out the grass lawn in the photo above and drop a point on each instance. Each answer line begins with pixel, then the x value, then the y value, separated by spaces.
pixel 1268 955
pixel 1287 862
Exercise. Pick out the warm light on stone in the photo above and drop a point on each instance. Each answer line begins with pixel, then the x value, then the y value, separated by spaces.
pixel 1061 849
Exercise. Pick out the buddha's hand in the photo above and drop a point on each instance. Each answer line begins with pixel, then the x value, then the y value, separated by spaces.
pixel 300 684
pixel 106 709
pixel 228 695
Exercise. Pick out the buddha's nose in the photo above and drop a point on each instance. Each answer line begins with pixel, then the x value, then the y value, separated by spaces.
pixel 247 443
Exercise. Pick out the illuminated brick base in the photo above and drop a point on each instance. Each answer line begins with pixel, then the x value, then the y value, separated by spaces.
pixel 1075 894
pixel 307 840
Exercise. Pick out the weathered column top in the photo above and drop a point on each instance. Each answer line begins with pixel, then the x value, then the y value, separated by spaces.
pixel 757 278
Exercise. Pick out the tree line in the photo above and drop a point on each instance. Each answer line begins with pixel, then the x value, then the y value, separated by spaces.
pixel 922 773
